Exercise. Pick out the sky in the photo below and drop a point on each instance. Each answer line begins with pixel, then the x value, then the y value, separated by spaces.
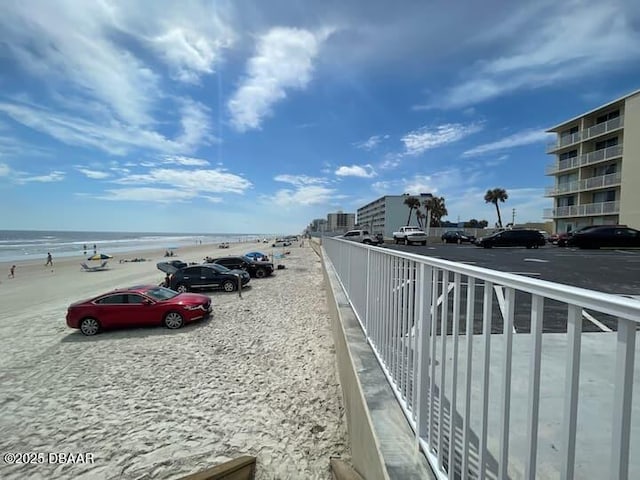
pixel 248 116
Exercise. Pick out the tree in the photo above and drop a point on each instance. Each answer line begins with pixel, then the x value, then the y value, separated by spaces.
pixel 420 217
pixel 436 208
pixel 494 196
pixel 413 203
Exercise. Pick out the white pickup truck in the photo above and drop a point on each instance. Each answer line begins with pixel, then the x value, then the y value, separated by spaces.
pixel 409 235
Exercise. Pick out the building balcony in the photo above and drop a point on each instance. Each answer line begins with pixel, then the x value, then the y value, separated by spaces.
pixel 590 158
pixel 587 134
pixel 593 183
pixel 586 210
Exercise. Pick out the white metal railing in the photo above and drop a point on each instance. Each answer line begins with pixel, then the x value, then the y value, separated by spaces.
pixel 414 311
pixel 602 208
pixel 600 181
pixel 586 159
pixel 587 133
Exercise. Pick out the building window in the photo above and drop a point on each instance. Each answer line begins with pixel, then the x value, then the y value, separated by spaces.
pixel 610 142
pixel 569 132
pixel 608 116
pixel 567 155
pixel 601 197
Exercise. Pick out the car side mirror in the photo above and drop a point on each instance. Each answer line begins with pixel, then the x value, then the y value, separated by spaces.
pixel 146 301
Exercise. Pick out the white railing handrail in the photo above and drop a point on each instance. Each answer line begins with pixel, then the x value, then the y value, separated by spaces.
pixel 592 299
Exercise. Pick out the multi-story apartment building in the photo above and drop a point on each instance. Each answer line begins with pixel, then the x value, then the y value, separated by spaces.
pixel 340 222
pixel 597 167
pixel 386 214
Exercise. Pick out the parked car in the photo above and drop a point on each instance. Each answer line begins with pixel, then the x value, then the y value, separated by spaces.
pixel 224 245
pixel 137 306
pixel 257 269
pixel 363 236
pixel 281 242
pixel 553 238
pixel 605 236
pixel 565 237
pixel 200 277
pixel 457 236
pixel 259 256
pixel 177 263
pixel 513 238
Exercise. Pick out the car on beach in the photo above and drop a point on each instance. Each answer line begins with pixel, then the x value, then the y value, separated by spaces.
pixel 457 236
pixel 142 305
pixel 202 277
pixel 513 238
pixel 255 268
pixel 281 242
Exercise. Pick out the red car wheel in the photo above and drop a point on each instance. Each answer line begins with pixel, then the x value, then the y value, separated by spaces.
pixel 89 326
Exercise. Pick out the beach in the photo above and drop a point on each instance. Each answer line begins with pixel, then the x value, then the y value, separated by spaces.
pixel 257 378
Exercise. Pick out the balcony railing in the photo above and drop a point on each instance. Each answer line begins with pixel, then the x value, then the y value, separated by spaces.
pixel 586 159
pixel 587 133
pixel 592 183
pixel 434 326
pixel 586 210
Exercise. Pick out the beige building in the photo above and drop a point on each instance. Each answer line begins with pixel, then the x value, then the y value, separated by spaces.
pixel 340 222
pixel 597 167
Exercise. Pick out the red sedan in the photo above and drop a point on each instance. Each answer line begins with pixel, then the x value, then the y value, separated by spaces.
pixel 138 306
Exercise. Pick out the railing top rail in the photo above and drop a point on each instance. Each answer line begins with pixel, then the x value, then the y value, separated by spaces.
pixel 607 303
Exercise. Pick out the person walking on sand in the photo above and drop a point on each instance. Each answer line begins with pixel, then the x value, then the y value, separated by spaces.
pixel 12 272
pixel 49 260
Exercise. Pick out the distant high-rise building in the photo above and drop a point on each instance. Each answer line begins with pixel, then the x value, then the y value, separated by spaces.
pixel 597 167
pixel 340 222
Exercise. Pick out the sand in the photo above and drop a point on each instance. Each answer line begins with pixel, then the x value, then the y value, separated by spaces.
pixel 259 378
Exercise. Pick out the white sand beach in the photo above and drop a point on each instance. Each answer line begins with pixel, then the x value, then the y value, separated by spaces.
pixel 258 378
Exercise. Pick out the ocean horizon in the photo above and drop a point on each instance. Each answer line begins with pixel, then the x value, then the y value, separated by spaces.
pixel 17 245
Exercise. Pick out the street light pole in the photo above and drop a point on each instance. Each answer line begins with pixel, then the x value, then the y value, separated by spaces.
pixel 513 217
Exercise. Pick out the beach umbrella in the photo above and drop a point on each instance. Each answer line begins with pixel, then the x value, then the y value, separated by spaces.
pixel 100 256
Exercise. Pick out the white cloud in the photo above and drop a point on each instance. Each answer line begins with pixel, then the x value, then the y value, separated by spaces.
pixel 283 60
pixel 304 196
pixel 425 138
pixel 4 170
pixel 186 161
pixel 299 180
pixel 213 181
pixel 364 171
pixel 524 137
pixel 147 194
pixel 212 199
pixel 112 136
pixel 93 174
pixel 571 40
pixel 55 176
pixel 372 142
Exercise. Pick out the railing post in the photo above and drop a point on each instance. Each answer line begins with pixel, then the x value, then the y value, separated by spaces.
pixel 424 329
pixel 537 309
pixel 368 287
pixel 572 381
pixel 487 314
pixel 623 371
pixel 507 335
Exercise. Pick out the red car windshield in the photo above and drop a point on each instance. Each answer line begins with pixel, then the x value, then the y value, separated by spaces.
pixel 161 293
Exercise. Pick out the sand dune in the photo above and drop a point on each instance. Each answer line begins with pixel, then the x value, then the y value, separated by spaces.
pixel 258 378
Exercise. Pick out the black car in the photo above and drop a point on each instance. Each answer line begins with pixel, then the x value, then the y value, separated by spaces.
pixel 257 269
pixel 456 236
pixel 513 238
pixel 200 277
pixel 614 236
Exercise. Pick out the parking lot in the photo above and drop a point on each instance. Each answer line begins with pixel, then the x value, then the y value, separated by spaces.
pixel 611 271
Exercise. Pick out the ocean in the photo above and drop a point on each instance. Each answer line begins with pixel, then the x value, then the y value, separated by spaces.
pixel 17 245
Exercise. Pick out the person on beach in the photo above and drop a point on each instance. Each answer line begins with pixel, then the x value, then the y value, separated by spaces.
pixel 12 272
pixel 95 249
pixel 49 260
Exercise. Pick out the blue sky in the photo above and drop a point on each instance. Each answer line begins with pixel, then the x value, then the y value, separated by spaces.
pixel 250 116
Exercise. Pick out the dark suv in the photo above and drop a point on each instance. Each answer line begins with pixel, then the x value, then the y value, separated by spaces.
pixel 200 277
pixel 457 236
pixel 257 269
pixel 513 238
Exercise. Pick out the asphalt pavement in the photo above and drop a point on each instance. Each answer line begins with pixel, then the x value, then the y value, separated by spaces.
pixel 606 270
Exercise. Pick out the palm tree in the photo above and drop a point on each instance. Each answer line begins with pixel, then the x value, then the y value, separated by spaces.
pixel 420 217
pixel 413 203
pixel 494 196
pixel 437 209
